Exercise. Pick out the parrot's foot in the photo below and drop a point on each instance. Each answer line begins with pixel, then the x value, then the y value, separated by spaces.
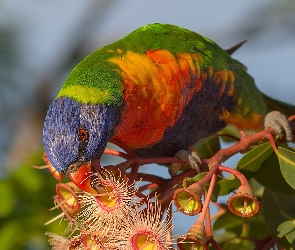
pixel 191 159
pixel 280 124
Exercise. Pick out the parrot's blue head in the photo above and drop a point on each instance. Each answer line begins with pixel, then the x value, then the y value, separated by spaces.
pixel 75 133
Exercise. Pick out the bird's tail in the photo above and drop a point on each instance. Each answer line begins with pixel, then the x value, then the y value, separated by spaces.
pixel 273 104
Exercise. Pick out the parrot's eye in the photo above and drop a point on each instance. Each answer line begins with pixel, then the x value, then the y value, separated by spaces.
pixel 83 134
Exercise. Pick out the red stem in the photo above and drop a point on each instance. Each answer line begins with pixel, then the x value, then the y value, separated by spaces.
pixel 130 153
pixel 215 244
pixel 148 186
pixel 143 161
pixel 209 175
pixel 242 146
pixel 208 228
pixel 96 165
pixel 207 199
pixel 114 152
pixel 272 143
pixel 133 173
pixel 236 173
pixel 151 178
pixel 156 191
pixel 179 178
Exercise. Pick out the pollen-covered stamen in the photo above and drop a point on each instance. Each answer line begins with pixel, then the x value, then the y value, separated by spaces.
pixel 110 205
pixel 146 229
pixel 92 242
pixel 58 204
pixel 115 171
pixel 245 206
pixel 67 212
pixel 108 196
pixel 61 215
pixel 146 240
pixel 111 187
pixel 58 242
pixel 67 200
pixel 68 192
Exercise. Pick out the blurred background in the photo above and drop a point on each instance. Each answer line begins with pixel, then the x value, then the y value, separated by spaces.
pixel 41 41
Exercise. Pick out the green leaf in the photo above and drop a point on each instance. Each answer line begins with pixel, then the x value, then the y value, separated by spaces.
pixel 208 146
pixel 228 185
pixel 287 165
pixel 285 243
pixel 255 226
pixel 232 131
pixel 285 228
pixel 256 188
pixel 238 244
pixel 251 161
pixel 291 237
pixel 277 208
pixel 191 180
pixel 270 176
pixel 229 222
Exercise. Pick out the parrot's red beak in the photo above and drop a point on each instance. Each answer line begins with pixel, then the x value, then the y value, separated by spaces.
pixel 82 178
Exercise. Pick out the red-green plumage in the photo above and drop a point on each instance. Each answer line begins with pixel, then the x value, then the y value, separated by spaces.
pixel 169 87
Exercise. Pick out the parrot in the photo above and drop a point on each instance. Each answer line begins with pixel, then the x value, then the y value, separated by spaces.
pixel 157 90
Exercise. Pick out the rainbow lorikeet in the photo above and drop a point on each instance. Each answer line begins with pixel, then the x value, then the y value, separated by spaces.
pixel 157 90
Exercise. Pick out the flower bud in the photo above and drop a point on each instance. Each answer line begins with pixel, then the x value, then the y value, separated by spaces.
pixel 188 200
pixel 243 203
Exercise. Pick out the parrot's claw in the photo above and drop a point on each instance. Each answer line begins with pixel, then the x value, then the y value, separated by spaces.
pixel 280 124
pixel 190 158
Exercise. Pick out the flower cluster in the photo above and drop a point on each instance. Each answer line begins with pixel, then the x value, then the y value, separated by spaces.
pixel 106 209
pixel 112 218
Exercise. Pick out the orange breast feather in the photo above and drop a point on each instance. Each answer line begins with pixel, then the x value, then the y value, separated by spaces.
pixel 157 87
